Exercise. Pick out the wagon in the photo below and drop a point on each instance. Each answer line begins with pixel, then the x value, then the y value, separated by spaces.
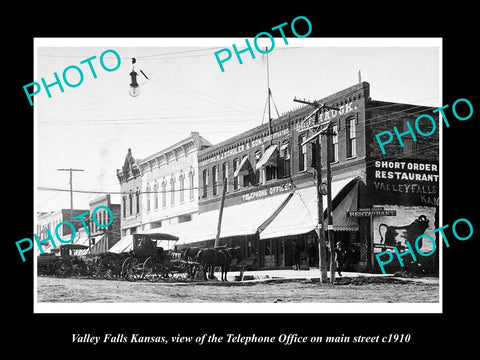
pixel 150 262
pixel 69 264
pixel 45 264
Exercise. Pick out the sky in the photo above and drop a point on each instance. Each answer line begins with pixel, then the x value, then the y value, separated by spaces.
pixel 91 126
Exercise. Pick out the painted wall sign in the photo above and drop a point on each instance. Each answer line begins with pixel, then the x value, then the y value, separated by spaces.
pixel 243 147
pixel 267 192
pixel 404 182
pixel 327 115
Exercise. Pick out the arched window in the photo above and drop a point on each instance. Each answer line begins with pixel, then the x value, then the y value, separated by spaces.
pixel 172 190
pixel 137 200
pixel 191 184
pixel 164 193
pixel 130 202
pixel 148 196
pixel 181 181
pixel 155 200
pixel 204 183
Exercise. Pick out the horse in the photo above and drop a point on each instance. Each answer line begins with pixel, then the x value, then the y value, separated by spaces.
pixel 188 255
pixel 234 253
pixel 210 258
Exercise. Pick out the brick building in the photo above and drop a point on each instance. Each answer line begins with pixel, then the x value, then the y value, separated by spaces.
pixel 103 238
pixel 51 220
pixel 270 201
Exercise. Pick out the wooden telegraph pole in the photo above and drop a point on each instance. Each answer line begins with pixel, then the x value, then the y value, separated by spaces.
pixel 71 189
pixel 318 130
pixel 220 214
pixel 329 133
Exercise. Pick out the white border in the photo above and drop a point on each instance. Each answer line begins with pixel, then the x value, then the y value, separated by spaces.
pixel 183 308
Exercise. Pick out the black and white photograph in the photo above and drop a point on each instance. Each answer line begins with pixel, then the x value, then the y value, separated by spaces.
pixel 227 184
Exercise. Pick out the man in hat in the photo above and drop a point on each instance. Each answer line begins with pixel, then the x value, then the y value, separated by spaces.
pixel 340 257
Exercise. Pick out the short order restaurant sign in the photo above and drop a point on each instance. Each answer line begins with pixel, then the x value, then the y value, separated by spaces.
pixel 404 182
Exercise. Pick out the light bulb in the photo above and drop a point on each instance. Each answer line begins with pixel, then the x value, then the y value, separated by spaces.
pixel 134 91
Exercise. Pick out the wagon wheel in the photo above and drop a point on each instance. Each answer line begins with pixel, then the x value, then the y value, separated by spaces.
pixel 108 268
pixel 62 268
pixel 179 272
pixel 131 269
pixel 152 269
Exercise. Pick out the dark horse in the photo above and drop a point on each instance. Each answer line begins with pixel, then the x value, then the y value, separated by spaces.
pixel 188 255
pixel 210 258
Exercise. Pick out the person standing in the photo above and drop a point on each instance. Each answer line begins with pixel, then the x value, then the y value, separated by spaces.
pixel 296 256
pixel 340 257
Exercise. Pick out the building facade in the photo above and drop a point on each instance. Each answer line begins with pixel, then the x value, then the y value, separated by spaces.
pixel 162 189
pixel 101 239
pixel 51 220
pixel 268 178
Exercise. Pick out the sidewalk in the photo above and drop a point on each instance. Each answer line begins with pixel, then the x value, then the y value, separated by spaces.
pixel 313 273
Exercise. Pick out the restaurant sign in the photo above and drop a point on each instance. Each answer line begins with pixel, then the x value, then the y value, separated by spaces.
pixel 375 211
pixel 404 182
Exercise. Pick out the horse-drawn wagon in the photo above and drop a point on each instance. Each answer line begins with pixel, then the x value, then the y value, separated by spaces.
pixel 146 260
pixel 67 263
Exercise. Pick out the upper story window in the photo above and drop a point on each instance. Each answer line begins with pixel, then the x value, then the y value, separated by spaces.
pixel 155 187
pixel 257 174
pixel 236 163
pixel 181 183
pixel 302 153
pixel 215 180
pixel 172 190
pixel 351 137
pixel 334 150
pixel 148 190
pixel 164 193
pixel 204 183
pixel 284 160
pixel 191 184
pixel 137 201
pixel 225 174
pixel 130 202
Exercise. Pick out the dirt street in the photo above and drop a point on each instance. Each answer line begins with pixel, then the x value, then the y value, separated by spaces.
pixel 347 290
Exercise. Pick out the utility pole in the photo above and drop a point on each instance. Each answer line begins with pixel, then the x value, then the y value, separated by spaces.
pixel 317 128
pixel 322 258
pixel 329 133
pixel 220 214
pixel 71 189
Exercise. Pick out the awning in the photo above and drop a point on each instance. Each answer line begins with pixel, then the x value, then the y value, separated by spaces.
pixel 243 166
pixel 300 214
pixel 339 215
pixel 243 219
pixel 269 157
pixel 123 245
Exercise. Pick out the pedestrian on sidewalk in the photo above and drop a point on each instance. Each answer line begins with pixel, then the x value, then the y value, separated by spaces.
pixel 296 256
pixel 340 257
